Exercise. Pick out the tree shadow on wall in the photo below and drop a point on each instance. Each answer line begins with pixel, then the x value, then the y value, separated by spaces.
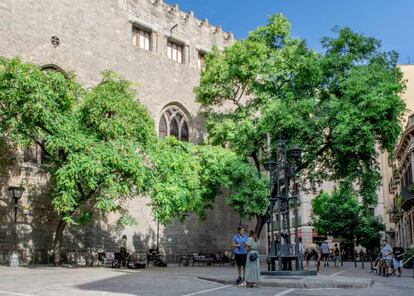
pixel 31 233
pixel 36 223
pixel 210 236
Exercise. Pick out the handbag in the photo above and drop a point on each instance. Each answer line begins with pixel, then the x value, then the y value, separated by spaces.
pixel 253 256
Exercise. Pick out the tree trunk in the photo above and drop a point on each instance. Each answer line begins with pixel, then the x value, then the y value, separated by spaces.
pixel 260 222
pixel 57 243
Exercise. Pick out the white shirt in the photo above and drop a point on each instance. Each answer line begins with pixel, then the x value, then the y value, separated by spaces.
pixel 386 252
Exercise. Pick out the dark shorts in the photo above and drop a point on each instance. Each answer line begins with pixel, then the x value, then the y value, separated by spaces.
pixel 240 259
pixel 308 256
pixel 325 255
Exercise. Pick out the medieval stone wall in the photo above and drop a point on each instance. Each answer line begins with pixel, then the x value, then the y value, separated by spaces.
pixel 95 36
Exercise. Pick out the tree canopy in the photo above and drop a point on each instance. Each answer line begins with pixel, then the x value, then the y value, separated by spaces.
pixel 342 106
pixel 340 214
pixel 102 149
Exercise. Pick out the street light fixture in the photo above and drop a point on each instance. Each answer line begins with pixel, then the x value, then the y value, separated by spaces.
pixel 282 167
pixel 15 193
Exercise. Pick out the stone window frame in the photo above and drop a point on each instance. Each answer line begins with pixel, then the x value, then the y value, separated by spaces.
pixel 139 26
pixel 173 113
pixel 145 36
pixel 201 55
pixel 178 43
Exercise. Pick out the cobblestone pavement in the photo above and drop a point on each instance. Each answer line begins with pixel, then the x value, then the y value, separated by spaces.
pixel 173 281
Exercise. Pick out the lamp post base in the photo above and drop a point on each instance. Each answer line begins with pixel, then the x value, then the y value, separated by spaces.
pixel 289 273
pixel 14 260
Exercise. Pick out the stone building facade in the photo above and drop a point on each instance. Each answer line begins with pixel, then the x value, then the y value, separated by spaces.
pixel 398 172
pixel 147 41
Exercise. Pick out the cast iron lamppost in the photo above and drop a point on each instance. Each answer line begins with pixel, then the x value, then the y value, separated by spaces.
pixel 282 166
pixel 16 194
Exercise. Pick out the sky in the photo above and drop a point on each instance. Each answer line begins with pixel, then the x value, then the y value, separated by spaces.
pixel 391 21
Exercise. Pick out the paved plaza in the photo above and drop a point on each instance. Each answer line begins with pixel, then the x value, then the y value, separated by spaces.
pixel 173 281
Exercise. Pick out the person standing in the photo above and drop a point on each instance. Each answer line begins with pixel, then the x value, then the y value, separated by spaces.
pixel 344 256
pixel 325 253
pixel 252 262
pixel 387 256
pixel 336 255
pixel 240 253
pixel 123 251
pixel 398 258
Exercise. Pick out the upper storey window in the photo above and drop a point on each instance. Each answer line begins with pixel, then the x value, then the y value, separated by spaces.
pixel 142 38
pixel 201 59
pixel 175 51
pixel 174 122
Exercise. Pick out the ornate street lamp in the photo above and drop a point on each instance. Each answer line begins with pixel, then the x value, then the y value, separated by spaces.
pixel 15 193
pixel 282 167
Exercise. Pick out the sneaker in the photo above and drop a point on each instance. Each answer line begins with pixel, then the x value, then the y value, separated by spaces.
pixel 242 284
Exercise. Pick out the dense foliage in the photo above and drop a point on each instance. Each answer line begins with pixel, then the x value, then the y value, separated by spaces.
pixel 342 106
pixel 340 214
pixel 102 149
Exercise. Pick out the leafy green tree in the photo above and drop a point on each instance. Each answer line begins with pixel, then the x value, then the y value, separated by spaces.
pixel 342 106
pixel 95 141
pixel 187 178
pixel 102 149
pixel 340 214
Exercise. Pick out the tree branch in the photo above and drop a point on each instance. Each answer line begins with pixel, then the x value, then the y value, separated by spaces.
pixel 305 164
pixel 256 162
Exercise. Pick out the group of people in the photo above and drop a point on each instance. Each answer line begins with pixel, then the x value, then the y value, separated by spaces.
pixel 322 253
pixel 391 257
pixel 246 256
pixel 152 254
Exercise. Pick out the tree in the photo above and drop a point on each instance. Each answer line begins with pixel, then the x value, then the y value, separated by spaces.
pixel 340 214
pixel 187 179
pixel 102 149
pixel 342 106
pixel 96 141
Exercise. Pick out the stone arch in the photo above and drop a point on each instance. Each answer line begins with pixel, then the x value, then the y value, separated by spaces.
pixel 175 121
pixel 53 67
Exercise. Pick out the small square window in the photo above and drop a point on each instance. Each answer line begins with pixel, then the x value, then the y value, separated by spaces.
pixel 142 38
pixel 175 52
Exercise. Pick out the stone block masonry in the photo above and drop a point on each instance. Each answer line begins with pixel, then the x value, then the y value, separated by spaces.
pixel 94 36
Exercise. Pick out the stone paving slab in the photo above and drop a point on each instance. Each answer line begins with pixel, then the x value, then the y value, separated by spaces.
pixel 308 282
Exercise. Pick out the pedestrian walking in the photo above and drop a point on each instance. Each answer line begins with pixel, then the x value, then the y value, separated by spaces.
pixel 252 262
pixel 325 253
pixel 398 258
pixel 240 253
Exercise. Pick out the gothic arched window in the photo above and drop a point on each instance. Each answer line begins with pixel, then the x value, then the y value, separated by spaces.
pixel 174 122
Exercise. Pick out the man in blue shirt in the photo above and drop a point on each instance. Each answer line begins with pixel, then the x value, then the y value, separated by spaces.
pixel 325 253
pixel 240 253
pixel 387 256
